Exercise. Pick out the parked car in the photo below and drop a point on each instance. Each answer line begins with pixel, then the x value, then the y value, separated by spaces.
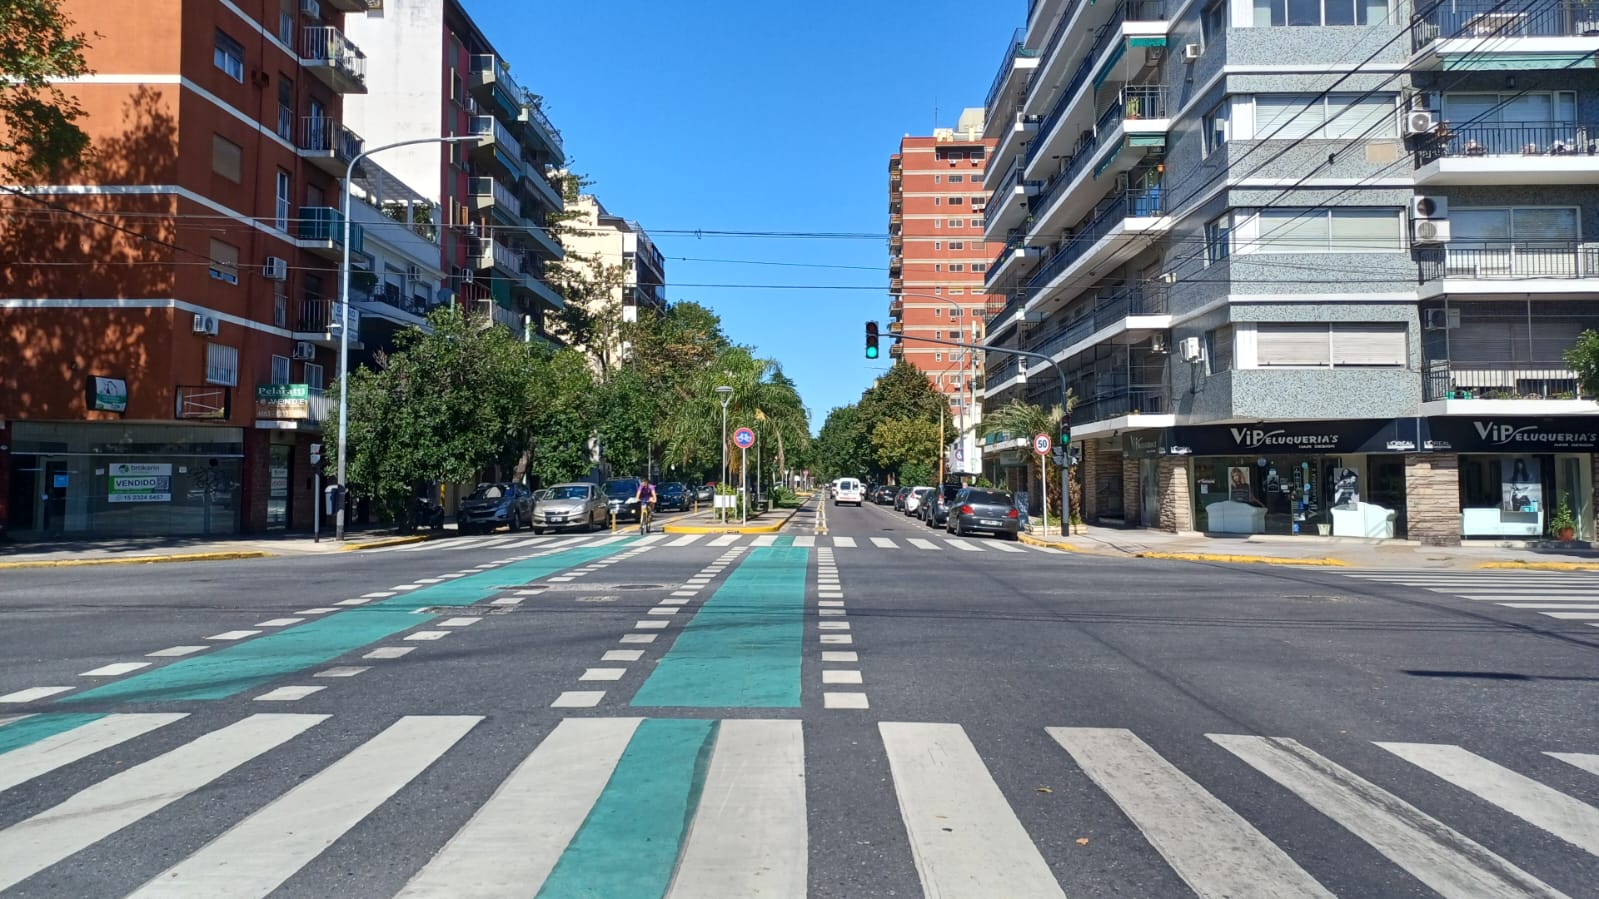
pixel 913 500
pixel 573 505
pixel 900 497
pixel 884 495
pixel 674 496
pixel 429 514
pixel 704 494
pixel 976 509
pixel 490 505
pixel 621 496
pixel 936 510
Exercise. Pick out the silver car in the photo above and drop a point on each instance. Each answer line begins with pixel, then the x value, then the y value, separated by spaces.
pixel 573 505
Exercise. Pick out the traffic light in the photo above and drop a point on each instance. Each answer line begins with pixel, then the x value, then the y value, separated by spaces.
pixel 871 340
pixel 1066 429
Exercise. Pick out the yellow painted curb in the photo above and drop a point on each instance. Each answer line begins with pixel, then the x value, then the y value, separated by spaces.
pixel 139 560
pixel 392 541
pixel 729 528
pixel 1542 566
pixel 1030 540
pixel 1247 560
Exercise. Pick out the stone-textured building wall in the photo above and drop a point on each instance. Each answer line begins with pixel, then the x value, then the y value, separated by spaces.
pixel 1131 500
pixel 1176 503
pixel 1432 488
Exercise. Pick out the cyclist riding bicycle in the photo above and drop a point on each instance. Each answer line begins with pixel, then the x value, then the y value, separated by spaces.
pixel 646 505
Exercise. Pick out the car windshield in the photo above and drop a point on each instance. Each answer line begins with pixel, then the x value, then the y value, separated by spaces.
pixel 573 492
pixel 621 488
pixel 989 497
pixel 490 491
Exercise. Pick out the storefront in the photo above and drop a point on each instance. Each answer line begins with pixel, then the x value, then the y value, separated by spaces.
pixel 1516 473
pixel 77 480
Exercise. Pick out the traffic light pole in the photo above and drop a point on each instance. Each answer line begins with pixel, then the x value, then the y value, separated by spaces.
pixel 1065 470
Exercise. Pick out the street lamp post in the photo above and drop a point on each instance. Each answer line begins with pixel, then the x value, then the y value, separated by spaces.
pixel 344 306
pixel 726 393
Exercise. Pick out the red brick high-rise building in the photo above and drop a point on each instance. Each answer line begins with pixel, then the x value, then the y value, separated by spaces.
pixel 937 263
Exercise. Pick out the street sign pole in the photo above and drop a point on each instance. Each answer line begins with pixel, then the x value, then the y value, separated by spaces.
pixel 1041 447
pixel 743 485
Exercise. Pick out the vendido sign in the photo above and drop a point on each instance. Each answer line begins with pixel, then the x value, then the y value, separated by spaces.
pixel 139 482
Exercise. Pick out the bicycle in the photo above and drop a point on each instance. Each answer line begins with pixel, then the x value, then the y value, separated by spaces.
pixel 646 511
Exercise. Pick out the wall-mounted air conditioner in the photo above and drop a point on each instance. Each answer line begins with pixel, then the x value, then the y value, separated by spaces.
pixel 1190 350
pixel 1441 319
pixel 206 324
pixel 1430 231
pixel 304 349
pixel 276 268
pixel 1191 52
pixel 1420 121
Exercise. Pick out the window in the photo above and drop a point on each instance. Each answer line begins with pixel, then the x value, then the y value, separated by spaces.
pixel 957 223
pixel 979 266
pixel 977 223
pixel 1336 344
pixel 938 201
pixel 224 261
pixel 955 355
pixel 1337 230
pixel 938 266
pixel 286 20
pixel 1218 239
pixel 939 312
pixel 221 364
pixel 280 304
pixel 229 57
pixel 957 179
pixel 938 357
pixel 285 200
pixel 280 369
pixel 1277 13
pixel 1526 223
pixel 957 245
pixel 313 376
pixel 939 245
pixel 1218 349
pixel 955 312
pixel 938 179
pixel 1214 126
pixel 1213 22
pixel 957 291
pixel 938 223
pixel 1333 117
pixel 285 107
pixel 227 158
pixel 957 201
pixel 957 266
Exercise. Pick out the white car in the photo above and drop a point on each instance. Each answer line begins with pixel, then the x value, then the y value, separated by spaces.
pixel 849 491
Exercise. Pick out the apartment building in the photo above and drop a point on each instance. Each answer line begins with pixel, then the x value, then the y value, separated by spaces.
pixel 1308 267
pixel 433 73
pixel 595 237
pixel 937 262
pixel 168 313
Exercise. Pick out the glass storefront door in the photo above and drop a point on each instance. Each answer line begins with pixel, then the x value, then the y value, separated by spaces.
pixel 1574 484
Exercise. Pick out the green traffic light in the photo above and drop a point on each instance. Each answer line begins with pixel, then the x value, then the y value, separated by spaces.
pixel 871 352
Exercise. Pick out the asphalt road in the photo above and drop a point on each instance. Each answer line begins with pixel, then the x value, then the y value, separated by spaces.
pixel 877 710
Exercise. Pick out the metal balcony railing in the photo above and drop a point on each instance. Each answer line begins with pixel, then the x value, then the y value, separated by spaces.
pixel 323 315
pixel 1510 139
pixel 324 43
pixel 1445 379
pixel 1116 402
pixel 1004 370
pixel 1002 188
pixel 1111 307
pixel 1141 203
pixel 1014 49
pixel 503 196
pixel 1485 260
pixel 324 133
pixel 325 223
pixel 1075 162
pixel 487 124
pixel 1501 20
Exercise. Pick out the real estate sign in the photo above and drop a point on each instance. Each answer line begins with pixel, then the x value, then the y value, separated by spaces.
pixel 139 482
pixel 284 402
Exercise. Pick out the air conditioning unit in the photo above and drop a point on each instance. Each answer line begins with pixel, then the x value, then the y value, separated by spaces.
pixel 1430 231
pixel 1189 349
pixel 206 324
pixel 1441 319
pixel 311 8
pixel 276 268
pixel 304 349
pixel 1428 208
pixel 1420 121
pixel 1157 344
pixel 1191 52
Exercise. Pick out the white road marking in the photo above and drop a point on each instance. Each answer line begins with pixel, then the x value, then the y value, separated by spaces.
pixel 343 671
pixel 837 639
pixel 459 622
pixel 965 839
pixel 1443 859
pixel 638 638
pixel 840 676
pixel 845 701
pixel 1569 607
pixel 233 635
pixel 1004 547
pixel 95 813
pixel 1586 761
pixel 380 594
pixel 764 540
pixel 1210 846
pixel 504 851
pixel 844 542
pixel 662 610
pixel 427 635
pixel 622 655
pixel 352 602
pixel 651 625
pixel 172 652
pixel 24 763
pixel 920 543
pixel 1512 596
pixel 830 612
pixel 830 603
pixel 415 586
pixel 1573 616
pixel 805 540
pixel 750 834
pixel 833 625
pixel 388 652
pixel 840 656
pixel 288 694
pixel 962 544
pixel 114 669
pixel 829 594
pixel 725 540
pixel 319 610
pixel 603 673
pixel 280 622
pixel 884 543
pixel 678 601
pixel 578 699
pixel 507 601
pixel 686 540
pixel 562 580
pixel 1575 822
pixel 685 593
pixel 257 855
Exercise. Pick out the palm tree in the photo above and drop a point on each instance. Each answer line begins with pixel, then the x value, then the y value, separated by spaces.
pixel 1019 419
pixel 762 397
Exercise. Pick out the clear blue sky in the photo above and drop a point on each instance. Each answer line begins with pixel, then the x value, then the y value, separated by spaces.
pixel 719 115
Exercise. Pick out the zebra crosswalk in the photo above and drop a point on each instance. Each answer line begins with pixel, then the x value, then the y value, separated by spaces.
pixel 680 807
pixel 514 541
pixel 1561 595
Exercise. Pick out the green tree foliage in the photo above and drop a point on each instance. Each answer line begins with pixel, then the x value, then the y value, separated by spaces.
pixel 1017 419
pixel 563 419
pixel 1583 358
pixel 843 449
pixel 763 399
pixel 39 135
pixel 905 443
pixel 887 430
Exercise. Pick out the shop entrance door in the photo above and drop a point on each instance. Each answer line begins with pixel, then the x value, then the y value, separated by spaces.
pixel 1574 484
pixel 1148 493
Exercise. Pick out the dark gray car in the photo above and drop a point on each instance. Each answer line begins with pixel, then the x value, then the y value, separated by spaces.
pixel 979 510
pixel 573 505
pixel 491 505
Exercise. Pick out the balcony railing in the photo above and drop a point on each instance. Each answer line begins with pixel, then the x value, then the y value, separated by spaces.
pixel 324 134
pixel 503 196
pixel 1513 260
pixel 1142 203
pixel 1003 370
pixel 1511 139
pixel 1443 379
pixel 487 124
pixel 492 253
pixel 319 315
pixel 1134 101
pixel 324 43
pixel 1002 188
pixel 1498 20
pixel 1087 142
pixel 1014 49
pixel 1112 307
pixel 325 223
pixel 1098 406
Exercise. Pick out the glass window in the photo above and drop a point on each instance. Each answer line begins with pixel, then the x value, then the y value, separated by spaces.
pixel 979 266
pixel 957 245
pixel 1218 239
pixel 1219 349
pixel 957 179
pixel 280 369
pixel 313 376
pixel 1335 344
pixel 957 201
pixel 1213 21
pixel 1337 230
pixel 1215 128
pixel 938 201
pixel 1277 13
pixel 224 261
pixel 229 57
pixel 221 364
pixel 285 199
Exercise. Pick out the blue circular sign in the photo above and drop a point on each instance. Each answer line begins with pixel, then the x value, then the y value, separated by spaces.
pixel 744 438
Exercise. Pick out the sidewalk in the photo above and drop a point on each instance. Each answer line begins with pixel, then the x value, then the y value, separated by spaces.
pixel 1348 552
pixel 136 550
pixel 705 521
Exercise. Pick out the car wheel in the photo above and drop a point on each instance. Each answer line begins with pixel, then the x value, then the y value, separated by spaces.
pixel 957 529
pixel 538 531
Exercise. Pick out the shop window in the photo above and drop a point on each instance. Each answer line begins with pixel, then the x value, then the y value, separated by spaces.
pixel 227 158
pixel 221 364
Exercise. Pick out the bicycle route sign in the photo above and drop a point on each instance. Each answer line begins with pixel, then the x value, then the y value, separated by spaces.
pixel 744 438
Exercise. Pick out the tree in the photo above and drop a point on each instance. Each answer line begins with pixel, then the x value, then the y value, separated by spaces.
pixel 563 420
pixel 903 443
pixel 762 398
pixel 39 137
pixel 1583 358
pixel 1017 419
pixel 843 448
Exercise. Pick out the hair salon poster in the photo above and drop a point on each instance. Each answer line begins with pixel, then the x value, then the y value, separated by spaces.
pixel 1520 484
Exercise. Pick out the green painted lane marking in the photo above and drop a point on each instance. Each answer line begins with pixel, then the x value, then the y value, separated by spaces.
pixel 34 728
pixel 784 541
pixel 630 842
pixel 744 647
pixel 226 672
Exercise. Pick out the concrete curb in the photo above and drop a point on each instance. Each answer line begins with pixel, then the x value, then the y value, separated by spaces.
pixel 1244 560
pixel 140 560
pixel 1541 566
pixel 391 541
pixel 1030 540
pixel 729 528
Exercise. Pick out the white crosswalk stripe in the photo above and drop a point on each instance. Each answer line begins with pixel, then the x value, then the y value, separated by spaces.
pixel 747 831
pixel 551 543
pixel 1563 596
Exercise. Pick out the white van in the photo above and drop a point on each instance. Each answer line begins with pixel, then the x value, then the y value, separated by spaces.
pixel 849 491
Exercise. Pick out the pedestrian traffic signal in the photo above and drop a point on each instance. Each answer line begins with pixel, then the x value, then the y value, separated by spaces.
pixel 871 340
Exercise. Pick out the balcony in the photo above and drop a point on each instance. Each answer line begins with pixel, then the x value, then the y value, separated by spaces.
pixel 533 282
pixel 320 229
pixel 1519 154
pixel 896 243
pixel 1445 379
pixel 1123 401
pixel 895 351
pixel 895 220
pixel 539 235
pixel 1017 59
pixel 538 124
pixel 1111 236
pixel 501 148
pixel 1489 35
pixel 542 188
pixel 896 307
pixel 1004 375
pixel 896 285
pixel 896 327
pixel 327 145
pixel 513 320
pixel 895 264
pixel 1023 127
pixel 1011 261
pixel 347 5
pixel 489 195
pixel 1128 310
pixel 1511 267
pixel 1008 203
pixel 492 254
pixel 1127 133
pixel 319 321
pixel 333 59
